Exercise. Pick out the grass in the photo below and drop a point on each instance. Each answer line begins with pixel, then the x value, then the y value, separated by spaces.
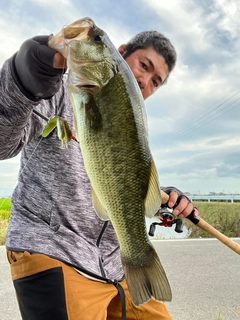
pixel 224 216
pixel 5 206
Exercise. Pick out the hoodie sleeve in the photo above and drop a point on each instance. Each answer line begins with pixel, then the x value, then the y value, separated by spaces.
pixel 27 80
pixel 17 125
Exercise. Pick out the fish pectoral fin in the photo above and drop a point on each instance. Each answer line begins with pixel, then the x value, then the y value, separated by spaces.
pixel 100 211
pixel 153 198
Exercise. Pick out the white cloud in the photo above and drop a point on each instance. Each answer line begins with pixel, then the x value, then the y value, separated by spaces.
pixel 185 21
pixel 230 17
pixel 53 3
pixel 193 120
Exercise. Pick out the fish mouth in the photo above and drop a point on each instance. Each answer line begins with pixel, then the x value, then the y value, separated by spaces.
pixel 87 86
pixel 82 82
pixel 84 63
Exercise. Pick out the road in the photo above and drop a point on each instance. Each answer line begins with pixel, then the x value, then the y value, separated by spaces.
pixel 205 279
pixel 204 275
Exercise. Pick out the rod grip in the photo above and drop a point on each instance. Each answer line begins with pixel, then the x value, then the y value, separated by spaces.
pixel 207 227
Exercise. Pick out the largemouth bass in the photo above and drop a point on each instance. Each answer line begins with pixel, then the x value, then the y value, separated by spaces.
pixel 111 127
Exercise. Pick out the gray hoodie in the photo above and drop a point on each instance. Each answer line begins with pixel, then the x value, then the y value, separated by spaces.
pixel 52 211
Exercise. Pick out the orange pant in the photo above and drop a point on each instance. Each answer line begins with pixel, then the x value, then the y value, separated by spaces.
pixel 48 289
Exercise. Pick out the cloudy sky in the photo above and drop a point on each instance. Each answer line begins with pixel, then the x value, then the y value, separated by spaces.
pixel 194 124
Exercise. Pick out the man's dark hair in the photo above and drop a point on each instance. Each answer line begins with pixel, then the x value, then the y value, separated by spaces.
pixel 158 42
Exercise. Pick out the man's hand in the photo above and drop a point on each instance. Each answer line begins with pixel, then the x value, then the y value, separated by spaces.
pixel 181 203
pixel 59 62
pixel 38 69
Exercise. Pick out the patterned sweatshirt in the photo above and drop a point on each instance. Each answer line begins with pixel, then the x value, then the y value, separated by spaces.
pixel 52 210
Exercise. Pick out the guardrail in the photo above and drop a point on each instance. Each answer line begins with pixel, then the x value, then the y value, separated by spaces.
pixel 230 198
pixel 226 197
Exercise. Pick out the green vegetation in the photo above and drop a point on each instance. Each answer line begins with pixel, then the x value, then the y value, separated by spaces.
pixel 218 316
pixel 224 216
pixel 5 206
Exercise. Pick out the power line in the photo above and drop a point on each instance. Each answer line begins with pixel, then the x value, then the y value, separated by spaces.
pixel 204 118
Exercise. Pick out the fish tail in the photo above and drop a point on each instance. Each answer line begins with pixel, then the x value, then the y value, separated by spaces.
pixel 146 282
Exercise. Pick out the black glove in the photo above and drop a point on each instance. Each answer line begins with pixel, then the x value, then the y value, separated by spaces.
pixel 168 190
pixel 32 69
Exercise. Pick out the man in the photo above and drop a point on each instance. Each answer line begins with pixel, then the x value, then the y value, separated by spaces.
pixel 65 261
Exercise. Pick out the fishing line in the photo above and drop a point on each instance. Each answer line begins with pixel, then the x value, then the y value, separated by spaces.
pixel 192 125
pixel 46 119
pixel 205 123
pixel 64 71
pixel 34 150
pixel 184 161
pixel 199 124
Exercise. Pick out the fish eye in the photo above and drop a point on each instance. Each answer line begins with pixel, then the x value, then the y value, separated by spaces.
pixel 98 38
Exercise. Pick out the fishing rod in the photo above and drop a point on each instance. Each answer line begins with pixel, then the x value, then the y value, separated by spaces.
pixel 203 225
pixel 168 219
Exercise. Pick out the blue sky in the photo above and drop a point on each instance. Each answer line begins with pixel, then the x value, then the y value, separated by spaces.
pixel 194 119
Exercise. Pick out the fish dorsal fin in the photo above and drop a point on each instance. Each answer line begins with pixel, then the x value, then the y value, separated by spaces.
pixel 100 211
pixel 153 198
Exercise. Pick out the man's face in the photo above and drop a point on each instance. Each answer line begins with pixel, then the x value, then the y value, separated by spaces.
pixel 149 69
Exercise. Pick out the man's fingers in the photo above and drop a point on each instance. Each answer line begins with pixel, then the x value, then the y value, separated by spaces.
pixel 184 206
pixel 183 209
pixel 41 39
pixel 172 199
pixel 49 55
pixel 59 62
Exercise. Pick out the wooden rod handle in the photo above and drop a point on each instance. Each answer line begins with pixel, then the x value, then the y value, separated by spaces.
pixel 207 227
